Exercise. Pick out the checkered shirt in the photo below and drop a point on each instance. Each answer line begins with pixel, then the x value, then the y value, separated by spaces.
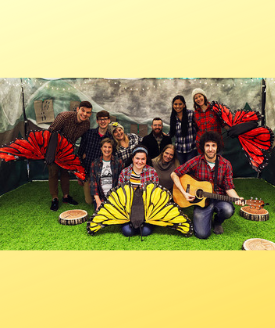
pixel 206 121
pixel 67 124
pixel 147 174
pixel 125 153
pixel 200 170
pixel 90 145
pixel 187 143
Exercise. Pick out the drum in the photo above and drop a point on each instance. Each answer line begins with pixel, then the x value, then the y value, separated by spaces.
pixel 73 217
pixel 258 244
pixel 254 214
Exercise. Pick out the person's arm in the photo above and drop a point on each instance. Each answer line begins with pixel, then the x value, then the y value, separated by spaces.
pixel 176 181
pixel 232 193
pixel 98 201
pixel 57 124
pixel 82 147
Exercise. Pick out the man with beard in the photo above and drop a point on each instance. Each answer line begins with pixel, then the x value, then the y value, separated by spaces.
pixel 156 140
pixel 204 168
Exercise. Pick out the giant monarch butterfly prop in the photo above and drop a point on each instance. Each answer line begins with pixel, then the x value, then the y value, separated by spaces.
pixel 122 206
pixel 37 146
pixel 255 140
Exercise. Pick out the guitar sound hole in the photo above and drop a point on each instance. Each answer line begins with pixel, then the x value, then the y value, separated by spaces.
pixel 199 193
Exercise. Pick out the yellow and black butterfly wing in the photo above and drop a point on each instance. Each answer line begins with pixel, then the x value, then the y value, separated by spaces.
pixel 116 210
pixel 161 212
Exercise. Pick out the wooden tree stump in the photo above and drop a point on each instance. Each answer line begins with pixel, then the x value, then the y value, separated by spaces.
pixel 254 214
pixel 258 244
pixel 73 217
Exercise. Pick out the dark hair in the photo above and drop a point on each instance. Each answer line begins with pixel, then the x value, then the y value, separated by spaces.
pixel 205 101
pixel 173 120
pixel 210 136
pixel 157 119
pixel 107 140
pixel 85 104
pixel 130 159
pixel 102 113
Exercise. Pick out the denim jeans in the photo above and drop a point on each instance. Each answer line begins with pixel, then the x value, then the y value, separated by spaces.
pixel 202 217
pixel 128 231
pixel 184 157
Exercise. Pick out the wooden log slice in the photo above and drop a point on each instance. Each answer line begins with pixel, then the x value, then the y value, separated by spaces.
pixel 258 244
pixel 73 217
pixel 254 214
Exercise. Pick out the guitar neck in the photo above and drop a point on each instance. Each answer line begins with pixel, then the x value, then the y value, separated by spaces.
pixel 220 197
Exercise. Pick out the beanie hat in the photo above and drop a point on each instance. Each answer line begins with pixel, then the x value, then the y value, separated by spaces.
pixel 196 91
pixel 114 125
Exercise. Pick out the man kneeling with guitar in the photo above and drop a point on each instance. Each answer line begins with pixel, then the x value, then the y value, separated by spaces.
pixel 204 168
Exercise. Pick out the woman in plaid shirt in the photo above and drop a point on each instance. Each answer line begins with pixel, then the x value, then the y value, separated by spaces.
pixel 125 141
pixel 105 171
pixel 182 127
pixel 138 173
pixel 205 118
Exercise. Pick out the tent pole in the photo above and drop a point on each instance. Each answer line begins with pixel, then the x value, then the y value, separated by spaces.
pixel 263 101
pixel 25 125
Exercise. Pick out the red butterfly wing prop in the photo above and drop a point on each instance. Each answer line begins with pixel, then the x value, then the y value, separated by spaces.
pixel 223 112
pixel 244 116
pixel 66 158
pixel 35 148
pixel 254 142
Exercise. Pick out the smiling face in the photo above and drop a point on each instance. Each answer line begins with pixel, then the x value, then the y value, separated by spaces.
pixel 157 127
pixel 119 134
pixel 103 122
pixel 178 106
pixel 199 99
pixel 83 114
pixel 139 161
pixel 107 151
pixel 168 155
pixel 210 151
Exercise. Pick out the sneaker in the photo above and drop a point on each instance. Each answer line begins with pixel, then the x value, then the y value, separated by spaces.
pixel 70 200
pixel 218 229
pixel 54 206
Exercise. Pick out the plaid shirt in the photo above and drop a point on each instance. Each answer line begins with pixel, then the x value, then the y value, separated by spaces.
pixel 200 170
pixel 90 145
pixel 186 144
pixel 125 153
pixel 206 121
pixel 147 174
pixel 96 168
pixel 67 124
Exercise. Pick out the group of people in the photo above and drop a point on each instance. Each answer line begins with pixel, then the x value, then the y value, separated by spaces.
pixel 112 157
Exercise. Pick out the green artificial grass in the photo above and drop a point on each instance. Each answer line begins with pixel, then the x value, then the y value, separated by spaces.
pixel 28 224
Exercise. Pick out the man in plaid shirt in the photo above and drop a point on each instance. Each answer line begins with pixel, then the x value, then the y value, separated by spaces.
pixel 90 149
pixel 202 168
pixel 73 125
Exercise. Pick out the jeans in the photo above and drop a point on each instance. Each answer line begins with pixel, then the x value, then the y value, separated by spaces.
pixel 128 231
pixel 202 217
pixel 184 157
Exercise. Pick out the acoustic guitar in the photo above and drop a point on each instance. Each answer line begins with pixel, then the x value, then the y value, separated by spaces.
pixel 203 190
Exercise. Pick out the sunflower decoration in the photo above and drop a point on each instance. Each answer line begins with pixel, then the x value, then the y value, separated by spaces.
pixel 151 204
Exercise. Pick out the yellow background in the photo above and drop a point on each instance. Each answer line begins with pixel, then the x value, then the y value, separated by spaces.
pixel 137 39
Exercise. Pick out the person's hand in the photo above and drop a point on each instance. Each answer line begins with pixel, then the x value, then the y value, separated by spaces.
pixel 189 197
pixel 240 201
